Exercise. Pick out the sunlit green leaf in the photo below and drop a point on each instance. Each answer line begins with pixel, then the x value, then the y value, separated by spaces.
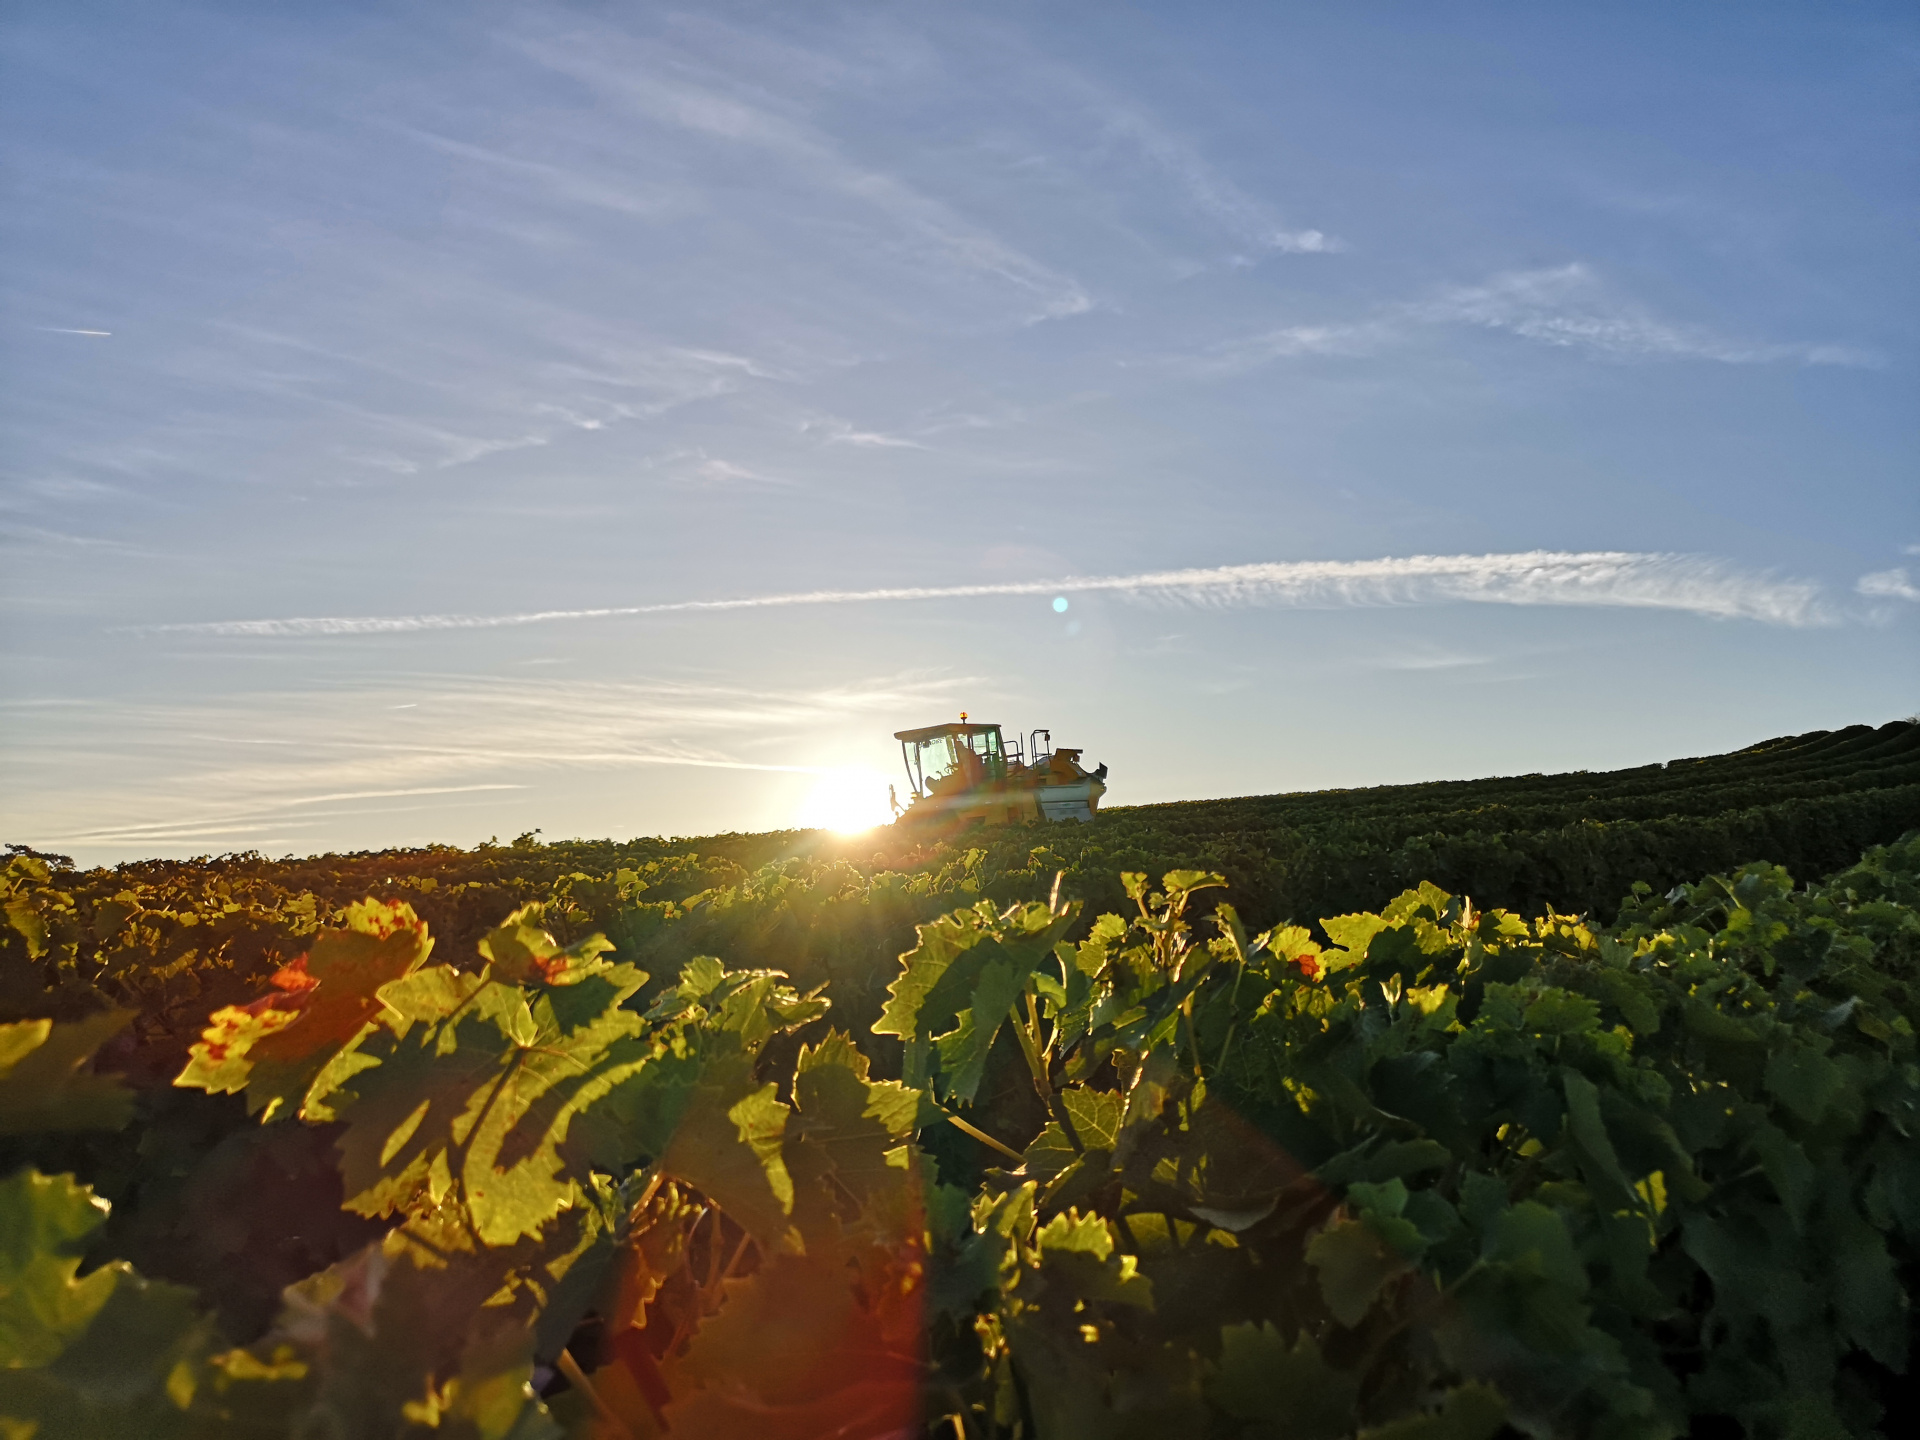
pixel 275 1048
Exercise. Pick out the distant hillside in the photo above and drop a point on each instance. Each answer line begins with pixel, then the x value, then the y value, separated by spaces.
pixel 1577 842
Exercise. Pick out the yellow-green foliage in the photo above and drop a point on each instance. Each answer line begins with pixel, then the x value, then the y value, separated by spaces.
pixel 1441 1171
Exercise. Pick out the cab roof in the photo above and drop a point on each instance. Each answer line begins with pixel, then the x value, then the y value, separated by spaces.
pixel 951 728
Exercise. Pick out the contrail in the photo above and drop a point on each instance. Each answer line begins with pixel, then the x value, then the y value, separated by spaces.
pixel 63 330
pixel 1699 585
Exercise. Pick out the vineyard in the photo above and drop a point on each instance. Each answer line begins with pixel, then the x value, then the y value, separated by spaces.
pixel 1548 1105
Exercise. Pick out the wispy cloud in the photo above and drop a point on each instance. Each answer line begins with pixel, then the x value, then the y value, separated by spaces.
pixel 840 432
pixel 615 192
pixel 694 467
pixel 1567 307
pixel 33 535
pixel 237 826
pixel 1697 584
pixel 391 794
pixel 172 775
pixel 1188 176
pixel 430 411
pixel 1248 220
pixel 727 116
pixel 710 470
pixel 1232 357
pixel 1427 660
pixel 1888 585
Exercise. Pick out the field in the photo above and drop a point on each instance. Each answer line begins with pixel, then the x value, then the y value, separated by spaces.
pixel 1548 1103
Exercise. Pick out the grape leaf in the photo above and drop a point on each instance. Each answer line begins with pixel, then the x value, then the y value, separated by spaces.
pixel 1601 1165
pixel 1181 883
pixel 942 972
pixel 1096 1116
pixel 1353 1262
pixel 715 1019
pixel 102 1356
pixel 808 1346
pixel 1260 1377
pixel 386 1361
pixel 959 984
pixel 1078 1250
pixel 1805 1080
pixel 276 1048
pixel 521 952
pixel 843 1145
pixel 468 1086
pixel 43 1221
pixel 940 943
pixel 1353 934
pixel 752 1004
pixel 1048 1155
pixel 44 1084
pixel 726 1143
pixel 964 1049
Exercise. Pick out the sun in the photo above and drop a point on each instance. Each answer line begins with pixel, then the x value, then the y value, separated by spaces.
pixel 846 801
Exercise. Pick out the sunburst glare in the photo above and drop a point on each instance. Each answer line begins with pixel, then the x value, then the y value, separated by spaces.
pixel 847 801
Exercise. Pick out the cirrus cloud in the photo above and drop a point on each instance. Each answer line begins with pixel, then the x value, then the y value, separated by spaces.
pixel 1700 585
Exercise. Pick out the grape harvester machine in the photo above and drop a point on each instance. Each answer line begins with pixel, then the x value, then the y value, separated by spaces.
pixel 965 774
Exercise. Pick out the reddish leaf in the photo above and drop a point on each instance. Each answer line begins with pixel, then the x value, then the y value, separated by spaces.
pixel 277 1047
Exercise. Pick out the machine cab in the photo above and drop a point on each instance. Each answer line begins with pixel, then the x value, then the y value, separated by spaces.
pixel 966 774
pixel 974 753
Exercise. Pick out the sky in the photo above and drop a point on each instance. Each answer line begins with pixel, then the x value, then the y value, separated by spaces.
pixel 427 422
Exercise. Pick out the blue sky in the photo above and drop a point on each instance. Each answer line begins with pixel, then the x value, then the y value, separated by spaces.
pixel 1393 392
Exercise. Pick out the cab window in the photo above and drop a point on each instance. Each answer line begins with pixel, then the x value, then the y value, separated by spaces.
pixel 936 758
